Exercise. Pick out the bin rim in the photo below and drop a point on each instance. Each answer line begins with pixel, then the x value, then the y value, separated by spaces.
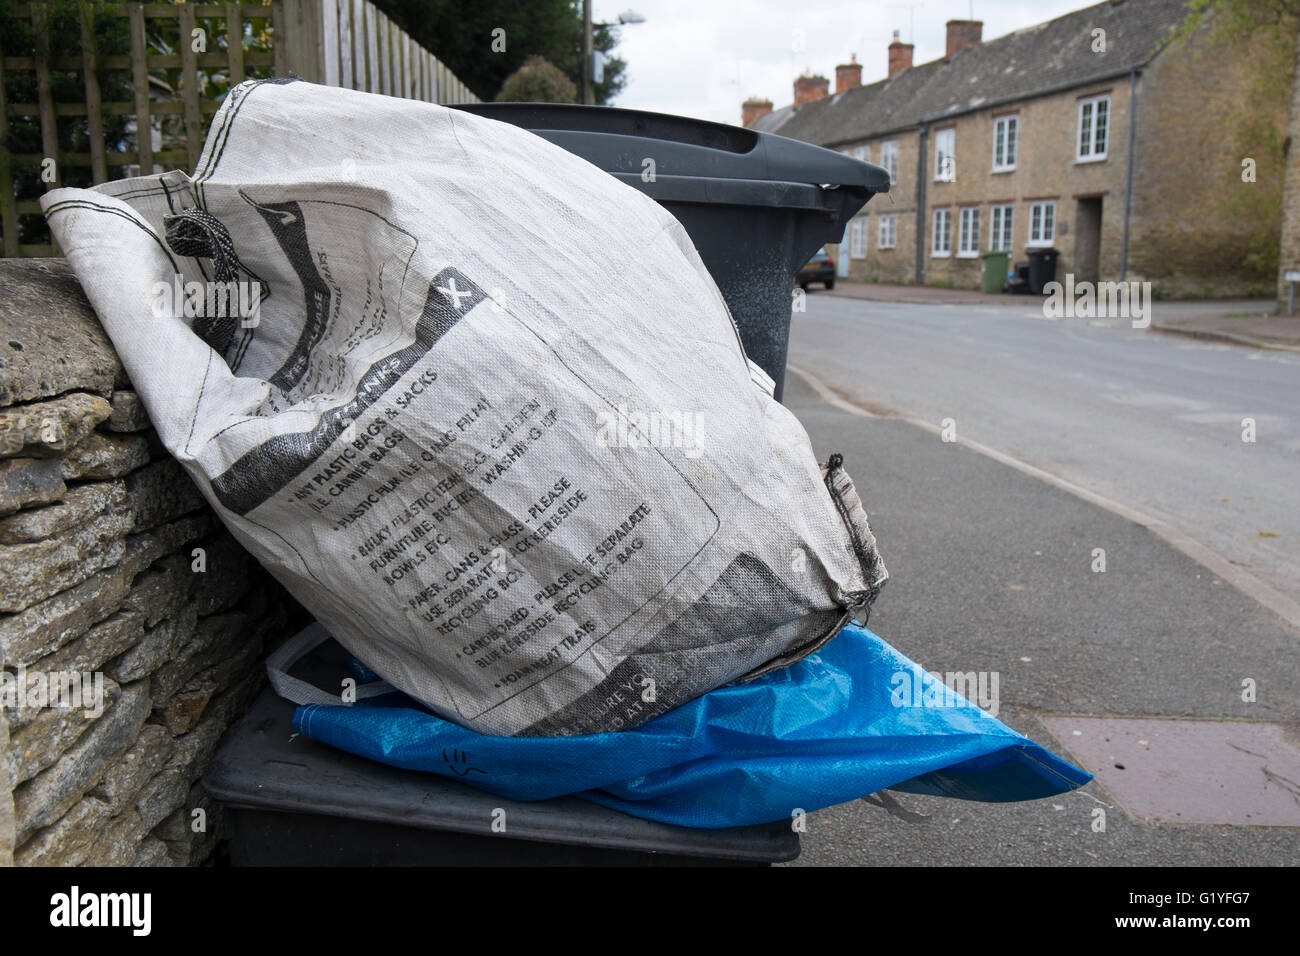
pixel 684 142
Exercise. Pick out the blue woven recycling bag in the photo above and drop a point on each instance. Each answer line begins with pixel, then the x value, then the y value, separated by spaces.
pixel 844 722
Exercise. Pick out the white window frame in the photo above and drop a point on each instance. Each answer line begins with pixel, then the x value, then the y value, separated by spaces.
pixel 948 173
pixel 968 232
pixel 1008 127
pixel 1090 106
pixel 862 152
pixel 886 231
pixel 1002 219
pixel 1046 222
pixel 889 159
pixel 938 251
pixel 858 238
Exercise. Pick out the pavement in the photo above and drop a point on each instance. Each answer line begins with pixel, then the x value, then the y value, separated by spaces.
pixel 1239 321
pixel 992 570
pixel 1260 331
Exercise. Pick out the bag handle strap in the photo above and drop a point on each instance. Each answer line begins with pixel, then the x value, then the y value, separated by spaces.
pixel 298 691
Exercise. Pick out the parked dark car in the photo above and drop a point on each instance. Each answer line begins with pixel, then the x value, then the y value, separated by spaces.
pixel 820 268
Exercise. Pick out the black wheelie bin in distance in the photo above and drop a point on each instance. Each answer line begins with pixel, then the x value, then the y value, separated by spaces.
pixel 756 205
pixel 1042 268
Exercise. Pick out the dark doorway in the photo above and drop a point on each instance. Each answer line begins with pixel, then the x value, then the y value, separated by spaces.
pixel 1087 240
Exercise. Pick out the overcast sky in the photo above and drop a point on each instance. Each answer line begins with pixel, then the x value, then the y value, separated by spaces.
pixel 703 57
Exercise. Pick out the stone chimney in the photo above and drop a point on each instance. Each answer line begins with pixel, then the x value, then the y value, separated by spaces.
pixel 962 33
pixel 900 56
pixel 848 75
pixel 808 88
pixel 752 109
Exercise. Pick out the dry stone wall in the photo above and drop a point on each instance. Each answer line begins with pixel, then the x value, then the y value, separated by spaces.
pixel 112 569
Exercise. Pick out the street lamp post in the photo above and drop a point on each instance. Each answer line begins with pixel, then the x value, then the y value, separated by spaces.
pixel 588 48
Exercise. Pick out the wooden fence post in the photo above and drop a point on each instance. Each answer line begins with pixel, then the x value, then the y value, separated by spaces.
pixel 8 214
pixel 235 43
pixel 190 87
pixel 140 87
pixel 44 94
pixel 329 41
pixel 303 47
pixel 90 77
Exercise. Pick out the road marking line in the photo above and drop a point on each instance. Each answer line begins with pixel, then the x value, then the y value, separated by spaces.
pixel 1280 604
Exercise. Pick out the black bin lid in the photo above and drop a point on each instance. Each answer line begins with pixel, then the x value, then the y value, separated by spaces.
pixel 695 160
pixel 264 765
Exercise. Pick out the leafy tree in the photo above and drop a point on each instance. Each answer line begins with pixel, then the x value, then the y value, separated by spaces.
pixel 1238 19
pixel 1269 29
pixel 538 81
pixel 460 34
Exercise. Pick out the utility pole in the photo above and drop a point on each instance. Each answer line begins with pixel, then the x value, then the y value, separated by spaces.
pixel 589 50
pixel 588 88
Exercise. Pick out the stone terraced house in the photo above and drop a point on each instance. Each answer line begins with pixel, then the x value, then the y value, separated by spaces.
pixel 1098 134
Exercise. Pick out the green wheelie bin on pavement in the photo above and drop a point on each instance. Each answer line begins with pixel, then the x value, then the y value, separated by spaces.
pixel 994 269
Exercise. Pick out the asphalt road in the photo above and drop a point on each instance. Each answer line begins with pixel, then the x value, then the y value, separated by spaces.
pixel 1149 420
pixel 992 568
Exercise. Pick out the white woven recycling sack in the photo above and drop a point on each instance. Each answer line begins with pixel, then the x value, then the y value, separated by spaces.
pixel 476 403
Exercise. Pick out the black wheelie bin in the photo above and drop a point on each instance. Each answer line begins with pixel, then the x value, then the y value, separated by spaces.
pixel 756 205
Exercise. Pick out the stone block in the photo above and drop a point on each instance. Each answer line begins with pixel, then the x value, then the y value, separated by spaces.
pixel 68 840
pixel 43 628
pixel 29 483
pixel 53 342
pixel 162 492
pixel 128 413
pixel 127 777
pixel 47 796
pixel 78 505
pixel 105 456
pixel 46 733
pixel 30 573
pixel 103 642
pixel 50 429
pixel 163 589
pixel 153 852
pixel 160 645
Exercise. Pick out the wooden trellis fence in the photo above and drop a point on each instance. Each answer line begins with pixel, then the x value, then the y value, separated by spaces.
pixel 338 42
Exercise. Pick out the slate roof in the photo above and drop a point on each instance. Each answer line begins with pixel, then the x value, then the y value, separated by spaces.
pixel 1051 56
pixel 770 121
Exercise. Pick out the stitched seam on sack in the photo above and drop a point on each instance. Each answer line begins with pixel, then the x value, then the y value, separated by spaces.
pixel 194 418
pixel 87 204
pixel 221 133
pixel 227 122
pixel 451 117
pixel 859 551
